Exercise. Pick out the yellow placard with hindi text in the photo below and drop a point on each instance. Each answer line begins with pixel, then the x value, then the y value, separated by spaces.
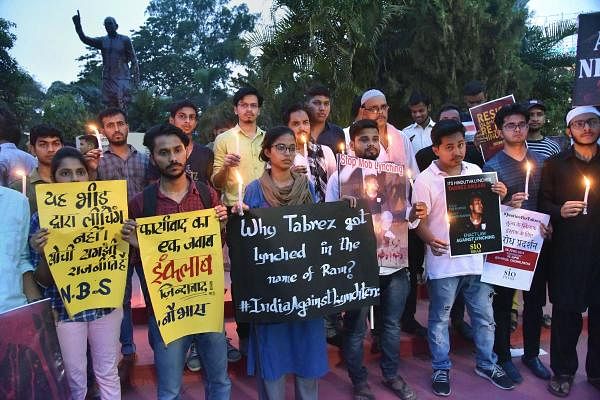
pixel 183 267
pixel 85 252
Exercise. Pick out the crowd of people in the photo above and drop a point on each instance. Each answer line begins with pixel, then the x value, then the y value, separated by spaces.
pixel 295 163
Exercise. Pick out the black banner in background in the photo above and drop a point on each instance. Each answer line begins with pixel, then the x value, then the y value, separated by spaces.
pixel 302 262
pixel 586 90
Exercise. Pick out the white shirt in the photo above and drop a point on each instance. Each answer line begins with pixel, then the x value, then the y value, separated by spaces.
pixel 419 137
pixel 429 188
pixel 14 249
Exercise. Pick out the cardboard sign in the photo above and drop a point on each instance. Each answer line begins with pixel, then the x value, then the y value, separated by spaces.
pixel 473 214
pixel 483 116
pixel 382 185
pixel 183 267
pixel 514 267
pixel 302 262
pixel 85 252
pixel 586 90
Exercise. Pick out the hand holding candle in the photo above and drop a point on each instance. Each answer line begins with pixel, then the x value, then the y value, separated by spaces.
pixel 587 192
pixel 411 180
pixel 98 137
pixel 527 180
pixel 240 192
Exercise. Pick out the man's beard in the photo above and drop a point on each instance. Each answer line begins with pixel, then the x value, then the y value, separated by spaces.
pixel 118 142
pixel 370 155
pixel 164 172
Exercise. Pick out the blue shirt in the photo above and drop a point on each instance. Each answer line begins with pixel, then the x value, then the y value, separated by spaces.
pixel 512 173
pixel 14 255
pixel 52 292
pixel 276 349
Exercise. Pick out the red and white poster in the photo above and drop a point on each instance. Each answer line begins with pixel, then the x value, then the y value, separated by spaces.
pixel 483 117
pixel 515 265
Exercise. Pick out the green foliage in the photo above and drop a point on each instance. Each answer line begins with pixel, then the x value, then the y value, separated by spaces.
pixel 67 112
pixel 147 109
pixel 186 48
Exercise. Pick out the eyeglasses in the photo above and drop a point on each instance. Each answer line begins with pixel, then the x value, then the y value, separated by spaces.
pixel 282 148
pixel 376 109
pixel 592 123
pixel 513 127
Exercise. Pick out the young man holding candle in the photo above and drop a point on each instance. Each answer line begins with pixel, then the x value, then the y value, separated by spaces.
pixel 394 284
pixel 45 141
pixel 176 192
pixel 520 169
pixel 236 155
pixel 318 103
pixel 574 276
pixel 447 277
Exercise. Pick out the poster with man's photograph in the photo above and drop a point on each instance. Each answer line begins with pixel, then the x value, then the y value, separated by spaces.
pixel 473 214
pixel 383 186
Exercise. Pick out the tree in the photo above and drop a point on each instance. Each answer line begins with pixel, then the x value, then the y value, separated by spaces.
pixel 187 48
pixel 66 111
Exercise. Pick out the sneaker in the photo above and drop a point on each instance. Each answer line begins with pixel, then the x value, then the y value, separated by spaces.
pixel 193 361
pixel 335 340
pixel 233 354
pixel 400 388
pixel 440 382
pixel 536 366
pixel 362 391
pixel 497 376
pixel 512 371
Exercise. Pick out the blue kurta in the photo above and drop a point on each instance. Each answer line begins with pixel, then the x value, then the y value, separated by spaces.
pixel 291 347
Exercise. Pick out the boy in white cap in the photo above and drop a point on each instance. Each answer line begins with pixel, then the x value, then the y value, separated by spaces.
pixel 570 193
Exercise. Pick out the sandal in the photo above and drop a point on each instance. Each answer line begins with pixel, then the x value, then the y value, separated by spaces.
pixel 560 385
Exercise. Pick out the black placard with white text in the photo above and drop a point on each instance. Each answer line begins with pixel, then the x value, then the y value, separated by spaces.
pixel 302 262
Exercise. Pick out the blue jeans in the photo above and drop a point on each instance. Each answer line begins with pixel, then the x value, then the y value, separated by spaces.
pixel 478 298
pixel 126 337
pixel 394 290
pixel 169 361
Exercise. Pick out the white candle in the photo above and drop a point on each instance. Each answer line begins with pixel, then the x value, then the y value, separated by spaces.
pixel 240 192
pixel 587 192
pixel 527 180
pixel 372 317
pixel 412 185
pixel 23 182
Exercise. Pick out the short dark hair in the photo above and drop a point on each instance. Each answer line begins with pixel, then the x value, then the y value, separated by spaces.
pixel 61 154
pixel 357 127
pixel 472 88
pixel 110 112
pixel 163 130
pixel 510 109
pixel 292 109
pixel 417 97
pixel 448 107
pixel 9 127
pixel 317 90
pixel 270 137
pixel 178 105
pixel 246 91
pixel 90 139
pixel 44 130
pixel 443 128
pixel 355 107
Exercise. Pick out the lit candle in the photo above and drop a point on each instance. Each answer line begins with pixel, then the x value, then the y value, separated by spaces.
pixel 98 138
pixel 412 185
pixel 527 180
pixel 23 181
pixel 240 187
pixel 342 148
pixel 305 147
pixel 587 192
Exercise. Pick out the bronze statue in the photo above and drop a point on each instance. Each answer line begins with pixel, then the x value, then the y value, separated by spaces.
pixel 117 53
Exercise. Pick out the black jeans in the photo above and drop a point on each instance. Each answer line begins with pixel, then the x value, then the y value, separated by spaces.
pixel 566 328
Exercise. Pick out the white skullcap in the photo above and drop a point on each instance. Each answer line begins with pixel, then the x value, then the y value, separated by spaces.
pixel 577 111
pixel 369 94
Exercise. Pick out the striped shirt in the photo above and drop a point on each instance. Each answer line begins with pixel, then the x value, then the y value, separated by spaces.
pixel 545 147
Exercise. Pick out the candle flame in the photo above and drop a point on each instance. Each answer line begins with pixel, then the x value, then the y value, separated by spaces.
pixel 408 173
pixel 20 172
pixel 528 167
pixel 304 139
pixel 587 181
pixel 238 176
pixel 342 147
pixel 448 218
